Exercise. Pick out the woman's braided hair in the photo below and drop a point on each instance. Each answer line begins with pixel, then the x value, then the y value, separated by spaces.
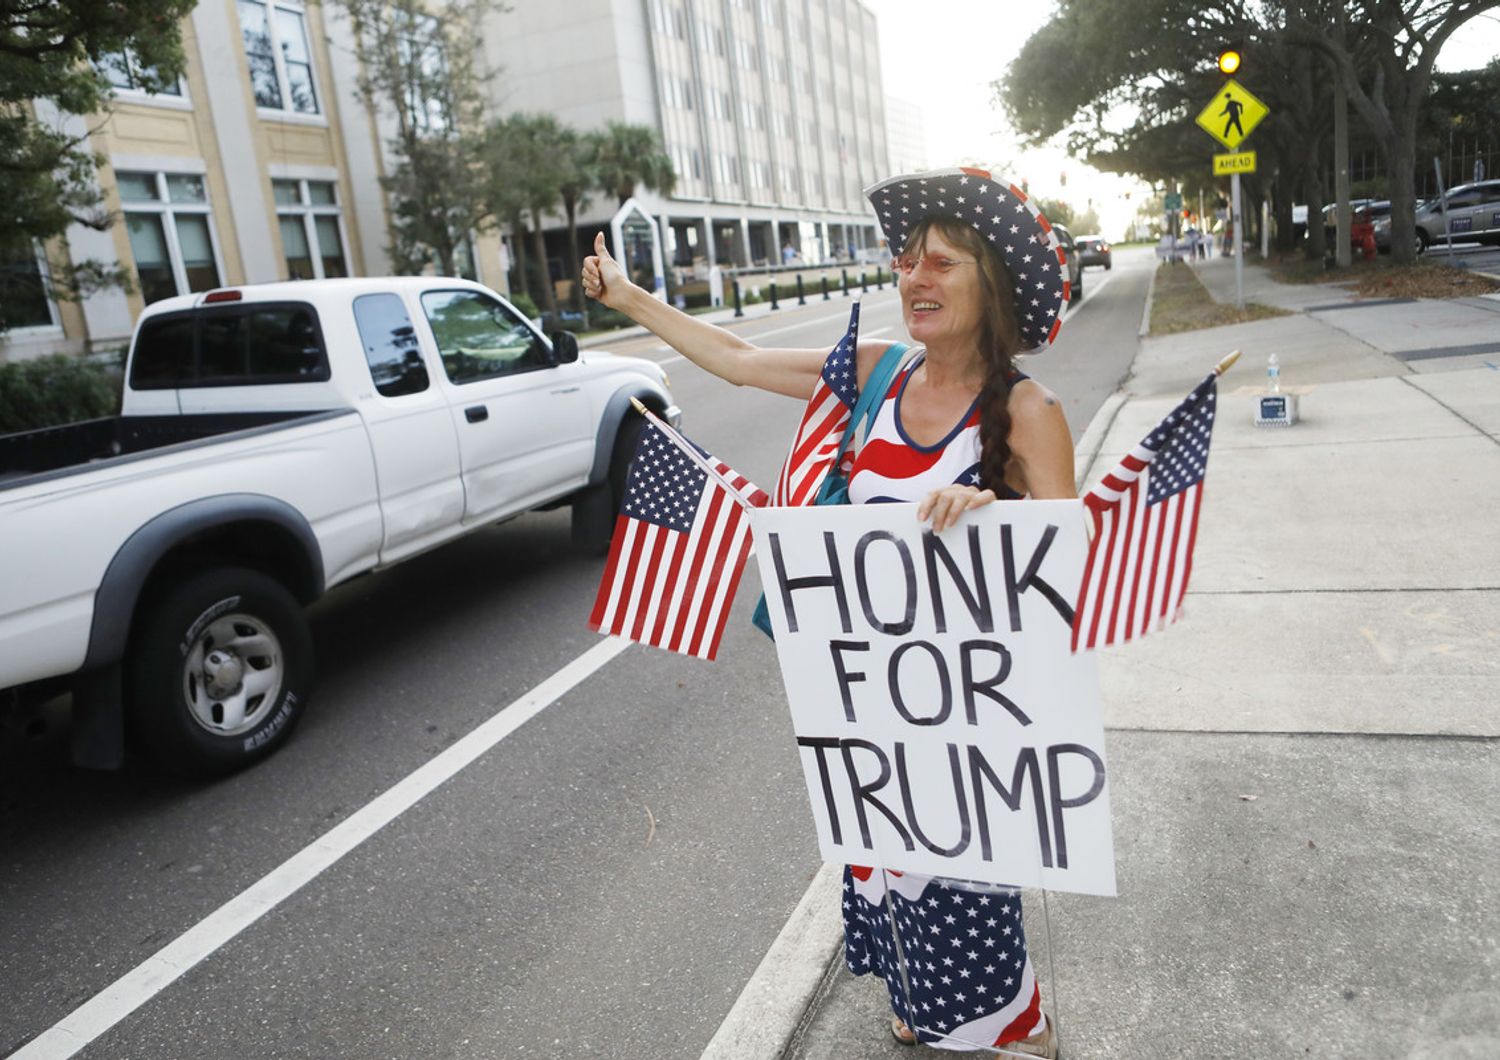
pixel 999 340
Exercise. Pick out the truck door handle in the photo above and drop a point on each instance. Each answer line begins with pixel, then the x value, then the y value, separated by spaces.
pixel 475 413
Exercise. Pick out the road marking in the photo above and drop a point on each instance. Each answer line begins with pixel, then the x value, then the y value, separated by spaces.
pixel 149 978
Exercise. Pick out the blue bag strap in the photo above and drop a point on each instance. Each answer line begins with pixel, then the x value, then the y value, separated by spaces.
pixel 872 393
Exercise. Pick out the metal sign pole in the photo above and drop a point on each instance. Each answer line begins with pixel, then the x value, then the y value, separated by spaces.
pixel 1235 220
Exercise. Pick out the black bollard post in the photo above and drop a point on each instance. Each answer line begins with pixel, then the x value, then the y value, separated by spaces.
pixel 801 294
pixel 824 278
pixel 879 278
pixel 864 287
pixel 846 282
pixel 739 310
pixel 773 295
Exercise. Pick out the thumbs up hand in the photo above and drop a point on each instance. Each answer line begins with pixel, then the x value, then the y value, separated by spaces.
pixel 603 279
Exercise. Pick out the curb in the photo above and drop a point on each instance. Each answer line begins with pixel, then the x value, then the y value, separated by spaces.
pixel 1145 328
pixel 786 982
pixel 1086 452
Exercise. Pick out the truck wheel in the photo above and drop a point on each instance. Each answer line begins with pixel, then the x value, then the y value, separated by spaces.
pixel 219 672
pixel 594 509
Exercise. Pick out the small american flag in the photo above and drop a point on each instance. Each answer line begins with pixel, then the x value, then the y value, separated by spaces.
pixel 680 544
pixel 823 423
pixel 1145 521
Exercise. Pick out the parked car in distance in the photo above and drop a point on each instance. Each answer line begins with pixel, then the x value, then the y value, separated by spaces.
pixel 1472 212
pixel 1094 250
pixel 1075 266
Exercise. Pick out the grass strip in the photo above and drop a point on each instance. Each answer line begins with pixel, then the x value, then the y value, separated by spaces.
pixel 1181 303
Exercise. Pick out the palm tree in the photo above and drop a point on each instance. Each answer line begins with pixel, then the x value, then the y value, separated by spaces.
pixel 630 155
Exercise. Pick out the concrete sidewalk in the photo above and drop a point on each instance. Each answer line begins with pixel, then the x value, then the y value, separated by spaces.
pixel 1303 769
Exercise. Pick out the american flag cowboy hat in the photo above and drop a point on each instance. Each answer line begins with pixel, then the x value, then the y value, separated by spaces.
pixel 1005 215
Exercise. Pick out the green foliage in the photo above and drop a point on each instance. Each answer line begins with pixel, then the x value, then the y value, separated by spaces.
pixel 1122 80
pixel 522 301
pixel 54 390
pixel 426 72
pixel 1056 211
pixel 48 52
pixel 628 155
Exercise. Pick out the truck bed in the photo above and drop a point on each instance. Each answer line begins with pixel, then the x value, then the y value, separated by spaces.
pixel 52 452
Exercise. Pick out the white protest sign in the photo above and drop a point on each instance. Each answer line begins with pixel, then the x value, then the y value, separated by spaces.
pixel 944 725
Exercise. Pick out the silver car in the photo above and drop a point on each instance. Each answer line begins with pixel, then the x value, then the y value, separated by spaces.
pixel 1472 211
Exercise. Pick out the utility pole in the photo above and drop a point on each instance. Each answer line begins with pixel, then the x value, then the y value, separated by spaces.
pixel 1343 252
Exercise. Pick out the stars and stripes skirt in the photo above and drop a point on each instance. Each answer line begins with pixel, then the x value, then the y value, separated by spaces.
pixel 967 982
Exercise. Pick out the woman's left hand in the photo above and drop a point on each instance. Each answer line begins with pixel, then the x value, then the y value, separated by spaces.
pixel 944 506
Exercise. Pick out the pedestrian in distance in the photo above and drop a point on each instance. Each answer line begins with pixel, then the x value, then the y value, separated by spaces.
pixel 960 427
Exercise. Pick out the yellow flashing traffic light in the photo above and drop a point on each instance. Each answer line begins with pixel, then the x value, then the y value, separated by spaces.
pixel 1229 61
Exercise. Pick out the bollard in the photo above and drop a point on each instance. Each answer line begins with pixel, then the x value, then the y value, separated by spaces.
pixel 846 282
pixel 864 288
pixel 801 294
pixel 738 309
pixel 879 278
pixel 773 295
pixel 824 279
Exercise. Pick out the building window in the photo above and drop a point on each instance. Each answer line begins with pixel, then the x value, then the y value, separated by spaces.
pixel 311 235
pixel 24 302
pixel 126 73
pixel 280 61
pixel 169 221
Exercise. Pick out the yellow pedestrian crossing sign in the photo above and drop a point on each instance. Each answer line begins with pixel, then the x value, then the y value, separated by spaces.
pixel 1232 114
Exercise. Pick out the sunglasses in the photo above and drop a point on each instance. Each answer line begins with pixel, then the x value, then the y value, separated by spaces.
pixel 935 263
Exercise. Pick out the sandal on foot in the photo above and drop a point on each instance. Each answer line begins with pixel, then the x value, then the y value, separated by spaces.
pixel 901 1032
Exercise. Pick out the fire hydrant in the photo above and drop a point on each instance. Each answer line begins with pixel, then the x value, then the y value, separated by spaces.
pixel 1362 234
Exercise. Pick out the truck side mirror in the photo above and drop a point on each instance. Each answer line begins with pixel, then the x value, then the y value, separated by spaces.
pixel 564 347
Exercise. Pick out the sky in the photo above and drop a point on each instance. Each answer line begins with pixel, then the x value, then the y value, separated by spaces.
pixel 942 56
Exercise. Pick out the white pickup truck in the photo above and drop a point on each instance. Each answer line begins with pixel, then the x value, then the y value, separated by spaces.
pixel 275 441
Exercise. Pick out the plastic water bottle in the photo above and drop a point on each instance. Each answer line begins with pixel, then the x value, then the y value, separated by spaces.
pixel 1273 375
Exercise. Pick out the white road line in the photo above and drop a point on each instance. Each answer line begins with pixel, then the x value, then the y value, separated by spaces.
pixel 176 958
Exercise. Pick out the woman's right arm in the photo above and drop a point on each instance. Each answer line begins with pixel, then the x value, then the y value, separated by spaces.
pixel 782 371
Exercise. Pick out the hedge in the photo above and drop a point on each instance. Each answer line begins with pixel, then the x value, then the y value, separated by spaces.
pixel 53 390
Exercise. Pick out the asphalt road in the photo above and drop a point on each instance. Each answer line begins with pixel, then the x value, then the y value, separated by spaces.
pixel 604 880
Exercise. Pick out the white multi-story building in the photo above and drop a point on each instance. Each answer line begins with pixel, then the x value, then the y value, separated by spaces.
pixel 263 163
pixel 906 136
pixel 772 112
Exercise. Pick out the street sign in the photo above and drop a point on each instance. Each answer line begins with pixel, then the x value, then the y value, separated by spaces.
pixel 1238 162
pixel 1173 202
pixel 1232 114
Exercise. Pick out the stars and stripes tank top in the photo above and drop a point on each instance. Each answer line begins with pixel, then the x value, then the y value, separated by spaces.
pixel 890 467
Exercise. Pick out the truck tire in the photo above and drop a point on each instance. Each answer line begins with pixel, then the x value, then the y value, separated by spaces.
pixel 595 509
pixel 218 673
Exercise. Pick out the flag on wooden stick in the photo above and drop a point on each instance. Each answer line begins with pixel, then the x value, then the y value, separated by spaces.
pixel 823 422
pixel 1145 523
pixel 679 547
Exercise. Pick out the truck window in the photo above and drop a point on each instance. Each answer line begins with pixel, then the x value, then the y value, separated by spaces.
pixel 163 352
pixel 390 342
pixel 478 338
pixel 249 344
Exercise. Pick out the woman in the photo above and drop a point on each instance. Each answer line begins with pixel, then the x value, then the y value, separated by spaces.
pixel 981 280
